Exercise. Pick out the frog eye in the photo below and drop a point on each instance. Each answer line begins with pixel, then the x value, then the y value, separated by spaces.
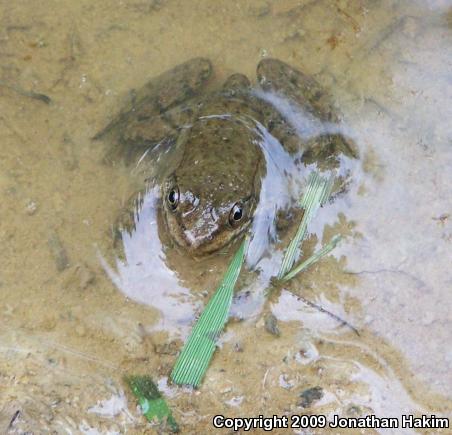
pixel 236 214
pixel 173 198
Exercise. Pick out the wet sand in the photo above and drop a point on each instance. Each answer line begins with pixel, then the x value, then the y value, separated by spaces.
pixel 68 334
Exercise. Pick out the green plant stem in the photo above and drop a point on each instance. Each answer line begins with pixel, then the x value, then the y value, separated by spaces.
pixel 198 350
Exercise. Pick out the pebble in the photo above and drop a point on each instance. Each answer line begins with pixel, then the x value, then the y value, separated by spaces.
pixel 309 396
pixel 86 276
pixel 31 207
pixel 271 325
pixel 58 252
pixel 80 277
pixel 285 382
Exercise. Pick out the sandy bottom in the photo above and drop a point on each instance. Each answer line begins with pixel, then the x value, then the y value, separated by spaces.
pixel 67 334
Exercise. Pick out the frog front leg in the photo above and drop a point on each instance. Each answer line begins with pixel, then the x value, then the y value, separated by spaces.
pixel 325 145
pixel 156 111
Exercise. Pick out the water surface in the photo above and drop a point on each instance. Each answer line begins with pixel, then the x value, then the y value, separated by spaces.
pixel 68 333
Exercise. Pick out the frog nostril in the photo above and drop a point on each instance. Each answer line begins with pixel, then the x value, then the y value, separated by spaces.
pixel 213 213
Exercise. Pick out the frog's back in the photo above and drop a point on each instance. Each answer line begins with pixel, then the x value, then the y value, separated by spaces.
pixel 210 197
pixel 222 151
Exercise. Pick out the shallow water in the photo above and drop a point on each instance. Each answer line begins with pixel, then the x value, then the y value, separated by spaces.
pixel 67 332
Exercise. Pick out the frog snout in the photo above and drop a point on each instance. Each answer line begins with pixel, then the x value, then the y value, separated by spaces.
pixel 199 227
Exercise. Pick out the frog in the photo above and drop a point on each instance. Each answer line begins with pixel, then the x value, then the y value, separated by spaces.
pixel 209 199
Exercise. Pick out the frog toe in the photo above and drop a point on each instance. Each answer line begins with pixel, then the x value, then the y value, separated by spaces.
pixel 277 76
pixel 236 82
pixel 327 148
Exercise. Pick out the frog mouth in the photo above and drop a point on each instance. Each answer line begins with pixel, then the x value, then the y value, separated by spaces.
pixel 199 245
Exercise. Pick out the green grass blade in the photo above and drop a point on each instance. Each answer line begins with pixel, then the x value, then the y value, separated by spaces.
pixel 152 403
pixel 312 259
pixel 197 352
pixel 317 192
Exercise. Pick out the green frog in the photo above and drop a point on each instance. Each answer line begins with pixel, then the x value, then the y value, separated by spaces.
pixel 211 195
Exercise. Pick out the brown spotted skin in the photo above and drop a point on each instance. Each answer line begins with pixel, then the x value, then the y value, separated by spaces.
pixel 221 164
pixel 274 75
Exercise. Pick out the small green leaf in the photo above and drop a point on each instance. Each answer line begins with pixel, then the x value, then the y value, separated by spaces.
pixel 151 401
pixel 317 193
pixel 197 352
pixel 312 259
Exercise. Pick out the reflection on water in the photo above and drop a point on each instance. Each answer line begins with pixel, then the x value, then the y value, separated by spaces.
pixel 279 187
pixel 68 335
pixel 143 274
pixel 142 271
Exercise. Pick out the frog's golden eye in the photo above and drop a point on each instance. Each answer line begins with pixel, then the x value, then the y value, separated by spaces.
pixel 236 214
pixel 173 198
